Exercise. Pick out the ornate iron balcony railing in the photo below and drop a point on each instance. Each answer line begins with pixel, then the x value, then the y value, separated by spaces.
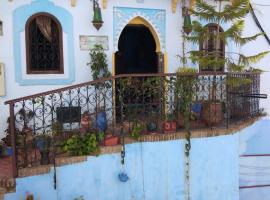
pixel 146 103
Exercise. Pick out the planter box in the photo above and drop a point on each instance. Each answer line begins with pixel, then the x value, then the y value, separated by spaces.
pixel 212 113
pixel 111 141
pixel 169 126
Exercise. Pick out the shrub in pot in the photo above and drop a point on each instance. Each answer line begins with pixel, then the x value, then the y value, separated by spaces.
pixel 79 145
pixel 136 130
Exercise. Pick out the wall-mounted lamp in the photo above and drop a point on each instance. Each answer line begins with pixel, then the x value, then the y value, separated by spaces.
pixel 1 28
pixel 97 19
pixel 187 26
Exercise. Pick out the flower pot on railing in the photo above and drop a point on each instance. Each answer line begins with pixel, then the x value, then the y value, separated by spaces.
pixel 212 113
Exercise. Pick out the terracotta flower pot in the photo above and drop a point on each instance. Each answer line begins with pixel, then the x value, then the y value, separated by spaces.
pixel 212 113
pixel 111 141
pixel 169 126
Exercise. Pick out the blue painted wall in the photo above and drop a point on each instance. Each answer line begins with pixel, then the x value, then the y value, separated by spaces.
pixel 156 173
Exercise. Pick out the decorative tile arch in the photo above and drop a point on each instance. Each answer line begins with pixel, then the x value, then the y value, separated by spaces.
pixel 123 15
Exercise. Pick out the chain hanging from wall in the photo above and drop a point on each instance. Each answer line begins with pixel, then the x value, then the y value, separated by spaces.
pixel 186 29
pixel 123 177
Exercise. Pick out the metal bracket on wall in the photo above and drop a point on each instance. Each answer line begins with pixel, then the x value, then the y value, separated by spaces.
pixel 1 28
pixel 2 80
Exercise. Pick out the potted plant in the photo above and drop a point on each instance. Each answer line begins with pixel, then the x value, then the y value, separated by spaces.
pixel 136 130
pixel 99 68
pixel 7 149
pixel 152 127
pixel 111 140
pixel 79 145
pixel 43 143
pixel 169 125
pixel 184 93
pixel 85 123
pixel 212 40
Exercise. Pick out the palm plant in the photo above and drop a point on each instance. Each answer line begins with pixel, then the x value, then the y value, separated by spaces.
pixel 219 12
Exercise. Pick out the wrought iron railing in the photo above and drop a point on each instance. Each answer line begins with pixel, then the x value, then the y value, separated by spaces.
pixel 141 103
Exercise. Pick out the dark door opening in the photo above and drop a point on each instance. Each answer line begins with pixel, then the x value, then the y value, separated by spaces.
pixel 137 51
pixel 136 55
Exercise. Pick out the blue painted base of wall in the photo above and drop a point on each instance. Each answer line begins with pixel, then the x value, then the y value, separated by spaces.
pixel 156 172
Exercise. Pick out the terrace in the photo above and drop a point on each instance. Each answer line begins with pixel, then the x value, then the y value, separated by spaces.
pixel 46 127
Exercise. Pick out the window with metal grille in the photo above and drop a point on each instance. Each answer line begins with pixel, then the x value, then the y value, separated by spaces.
pixel 44 47
pixel 213 49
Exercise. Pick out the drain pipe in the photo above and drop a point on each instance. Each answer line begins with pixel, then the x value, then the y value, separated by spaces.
pixel 258 23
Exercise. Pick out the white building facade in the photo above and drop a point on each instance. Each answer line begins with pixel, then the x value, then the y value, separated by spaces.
pixel 162 17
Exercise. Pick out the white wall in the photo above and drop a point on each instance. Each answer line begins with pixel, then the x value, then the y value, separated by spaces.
pixel 82 17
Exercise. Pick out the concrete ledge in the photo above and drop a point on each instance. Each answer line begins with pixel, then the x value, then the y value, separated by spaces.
pixel 69 160
pixel 200 133
pixel 32 171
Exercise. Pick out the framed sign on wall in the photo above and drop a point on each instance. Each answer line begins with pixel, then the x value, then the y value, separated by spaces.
pixel 88 42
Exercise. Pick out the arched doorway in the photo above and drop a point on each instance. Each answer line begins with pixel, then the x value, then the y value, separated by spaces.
pixel 139 45
pixel 138 53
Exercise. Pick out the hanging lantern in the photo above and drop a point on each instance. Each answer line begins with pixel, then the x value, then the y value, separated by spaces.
pixel 97 19
pixel 187 24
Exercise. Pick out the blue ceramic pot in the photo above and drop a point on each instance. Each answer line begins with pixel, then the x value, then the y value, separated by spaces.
pixel 8 151
pixel 123 177
pixel 101 123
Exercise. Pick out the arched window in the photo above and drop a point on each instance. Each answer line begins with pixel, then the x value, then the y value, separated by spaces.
pixel 44 46
pixel 213 48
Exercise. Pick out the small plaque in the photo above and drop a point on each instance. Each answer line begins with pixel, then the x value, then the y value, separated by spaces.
pixel 68 114
pixel 89 42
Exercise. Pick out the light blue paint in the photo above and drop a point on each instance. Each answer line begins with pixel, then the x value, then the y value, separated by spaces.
pixel 156 17
pixel 156 172
pixel 20 17
pixel 256 138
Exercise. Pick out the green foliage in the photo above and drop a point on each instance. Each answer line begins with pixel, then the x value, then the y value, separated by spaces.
pixel 98 63
pixel 100 136
pixel 184 88
pixel 136 130
pixel 216 12
pixel 81 145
